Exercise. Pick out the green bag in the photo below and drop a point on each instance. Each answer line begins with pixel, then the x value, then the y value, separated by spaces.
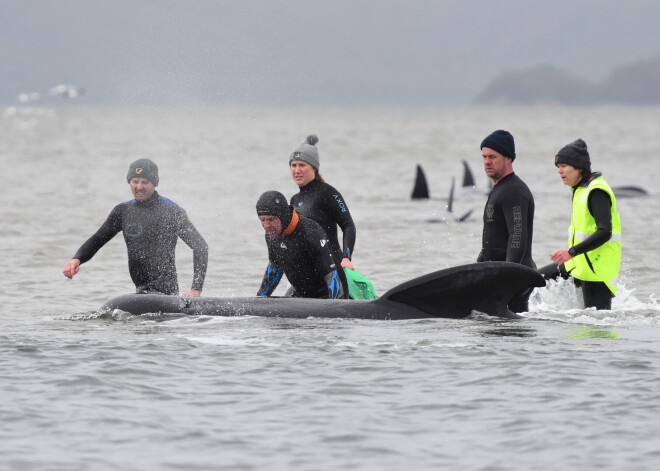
pixel 358 286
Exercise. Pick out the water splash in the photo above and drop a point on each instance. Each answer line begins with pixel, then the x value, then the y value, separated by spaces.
pixel 560 300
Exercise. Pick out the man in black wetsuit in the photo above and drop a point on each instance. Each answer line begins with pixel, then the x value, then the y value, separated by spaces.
pixel 509 211
pixel 298 247
pixel 151 225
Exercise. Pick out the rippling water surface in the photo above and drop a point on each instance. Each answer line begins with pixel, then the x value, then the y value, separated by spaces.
pixel 565 388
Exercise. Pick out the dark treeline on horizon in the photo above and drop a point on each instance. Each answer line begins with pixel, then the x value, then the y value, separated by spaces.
pixel 634 84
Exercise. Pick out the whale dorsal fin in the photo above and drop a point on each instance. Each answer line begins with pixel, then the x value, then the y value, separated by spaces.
pixel 486 287
pixel 450 198
pixel 421 188
pixel 468 177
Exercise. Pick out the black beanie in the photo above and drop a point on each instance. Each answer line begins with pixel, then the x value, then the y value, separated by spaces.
pixel 143 168
pixel 273 203
pixel 502 142
pixel 574 154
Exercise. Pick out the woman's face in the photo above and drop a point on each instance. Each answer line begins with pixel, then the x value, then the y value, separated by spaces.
pixel 301 172
pixel 569 174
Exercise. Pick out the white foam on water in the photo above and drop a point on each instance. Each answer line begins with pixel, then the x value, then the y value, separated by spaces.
pixel 561 300
pixel 225 340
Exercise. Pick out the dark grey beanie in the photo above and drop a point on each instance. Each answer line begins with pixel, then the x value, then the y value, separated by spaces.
pixel 143 168
pixel 574 154
pixel 502 142
pixel 307 152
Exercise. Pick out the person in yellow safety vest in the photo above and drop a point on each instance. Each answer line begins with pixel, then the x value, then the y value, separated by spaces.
pixel 593 258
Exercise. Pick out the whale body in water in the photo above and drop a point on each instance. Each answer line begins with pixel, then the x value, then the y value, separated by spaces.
pixel 450 293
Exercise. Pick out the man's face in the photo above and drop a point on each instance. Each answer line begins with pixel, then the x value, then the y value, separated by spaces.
pixel 495 164
pixel 141 188
pixel 272 225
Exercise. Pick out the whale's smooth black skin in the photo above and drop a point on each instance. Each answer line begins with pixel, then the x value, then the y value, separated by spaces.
pixel 629 192
pixel 451 293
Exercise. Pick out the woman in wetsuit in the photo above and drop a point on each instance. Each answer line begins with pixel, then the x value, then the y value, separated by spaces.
pixel 593 258
pixel 321 202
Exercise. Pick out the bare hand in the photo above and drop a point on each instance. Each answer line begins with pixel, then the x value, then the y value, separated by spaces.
pixel 193 292
pixel 71 268
pixel 560 256
pixel 346 263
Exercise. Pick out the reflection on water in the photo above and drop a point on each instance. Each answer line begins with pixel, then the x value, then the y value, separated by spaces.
pixel 510 331
pixel 593 333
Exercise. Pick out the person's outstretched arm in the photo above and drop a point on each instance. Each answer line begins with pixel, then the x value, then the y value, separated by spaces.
pixel 106 232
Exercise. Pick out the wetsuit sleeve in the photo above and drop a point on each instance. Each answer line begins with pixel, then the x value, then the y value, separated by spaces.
pixel 342 216
pixel 600 207
pixel 271 279
pixel 515 208
pixel 191 236
pixel 106 232
pixel 335 286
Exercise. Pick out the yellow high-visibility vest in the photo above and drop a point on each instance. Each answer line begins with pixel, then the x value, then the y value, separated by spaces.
pixel 602 263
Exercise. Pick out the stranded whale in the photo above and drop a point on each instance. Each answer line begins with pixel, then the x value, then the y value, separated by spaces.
pixel 451 293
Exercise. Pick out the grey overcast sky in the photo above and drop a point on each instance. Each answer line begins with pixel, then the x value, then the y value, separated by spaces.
pixel 316 52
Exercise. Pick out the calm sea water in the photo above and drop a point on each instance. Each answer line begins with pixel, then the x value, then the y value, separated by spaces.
pixel 565 388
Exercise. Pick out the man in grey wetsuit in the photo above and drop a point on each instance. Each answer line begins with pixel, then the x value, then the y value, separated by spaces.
pixel 151 225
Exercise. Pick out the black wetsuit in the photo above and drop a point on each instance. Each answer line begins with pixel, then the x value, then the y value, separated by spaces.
pixel 151 229
pixel 304 256
pixel 324 204
pixel 595 293
pixel 509 228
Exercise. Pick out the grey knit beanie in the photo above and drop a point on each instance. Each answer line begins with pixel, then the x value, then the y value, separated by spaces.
pixel 307 152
